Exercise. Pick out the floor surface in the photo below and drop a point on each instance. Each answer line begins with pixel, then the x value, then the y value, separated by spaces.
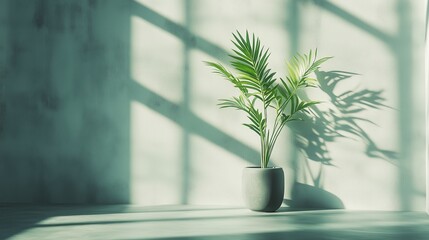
pixel 204 222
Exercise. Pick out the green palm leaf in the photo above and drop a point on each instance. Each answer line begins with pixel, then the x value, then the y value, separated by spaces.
pixel 257 83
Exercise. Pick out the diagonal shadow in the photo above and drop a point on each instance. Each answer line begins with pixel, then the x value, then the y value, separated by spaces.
pixel 181 32
pixel 350 18
pixel 192 123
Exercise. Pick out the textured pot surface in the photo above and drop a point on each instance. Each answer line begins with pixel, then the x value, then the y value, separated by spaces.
pixel 263 188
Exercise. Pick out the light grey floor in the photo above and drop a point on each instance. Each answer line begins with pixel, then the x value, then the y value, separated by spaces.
pixel 204 222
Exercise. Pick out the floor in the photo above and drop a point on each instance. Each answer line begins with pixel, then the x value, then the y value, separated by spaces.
pixel 205 222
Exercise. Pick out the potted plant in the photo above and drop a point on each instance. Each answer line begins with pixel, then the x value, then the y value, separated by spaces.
pixel 269 103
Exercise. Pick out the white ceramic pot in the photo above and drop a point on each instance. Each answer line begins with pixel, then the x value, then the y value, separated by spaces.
pixel 263 188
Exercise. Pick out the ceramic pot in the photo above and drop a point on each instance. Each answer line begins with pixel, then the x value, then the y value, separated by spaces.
pixel 263 188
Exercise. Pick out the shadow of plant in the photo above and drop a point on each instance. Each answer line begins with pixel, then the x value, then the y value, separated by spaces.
pixel 338 118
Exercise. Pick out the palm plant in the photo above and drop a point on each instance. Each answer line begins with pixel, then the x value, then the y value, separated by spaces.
pixel 261 94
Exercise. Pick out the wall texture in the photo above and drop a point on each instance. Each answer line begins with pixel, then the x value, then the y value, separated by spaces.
pixel 64 110
pixel 365 148
pixel 109 101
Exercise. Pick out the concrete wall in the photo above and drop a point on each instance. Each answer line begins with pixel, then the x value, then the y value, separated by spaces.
pixel 363 151
pixel 109 101
pixel 64 107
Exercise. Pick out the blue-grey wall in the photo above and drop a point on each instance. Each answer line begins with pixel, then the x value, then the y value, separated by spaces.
pixel 64 107
pixel 110 102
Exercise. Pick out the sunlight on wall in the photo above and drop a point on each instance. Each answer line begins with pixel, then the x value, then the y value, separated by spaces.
pixel 358 148
pixel 156 60
pixel 155 152
pixel 216 174
pixel 168 163
pixel 155 140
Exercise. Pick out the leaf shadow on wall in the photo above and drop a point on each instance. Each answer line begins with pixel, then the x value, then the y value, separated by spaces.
pixel 313 135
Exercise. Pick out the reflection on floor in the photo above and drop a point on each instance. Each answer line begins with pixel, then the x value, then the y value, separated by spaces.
pixel 202 222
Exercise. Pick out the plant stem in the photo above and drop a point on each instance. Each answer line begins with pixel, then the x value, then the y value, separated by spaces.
pixel 264 150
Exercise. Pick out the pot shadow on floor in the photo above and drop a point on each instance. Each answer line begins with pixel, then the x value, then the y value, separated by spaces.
pixel 338 118
pixel 307 197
